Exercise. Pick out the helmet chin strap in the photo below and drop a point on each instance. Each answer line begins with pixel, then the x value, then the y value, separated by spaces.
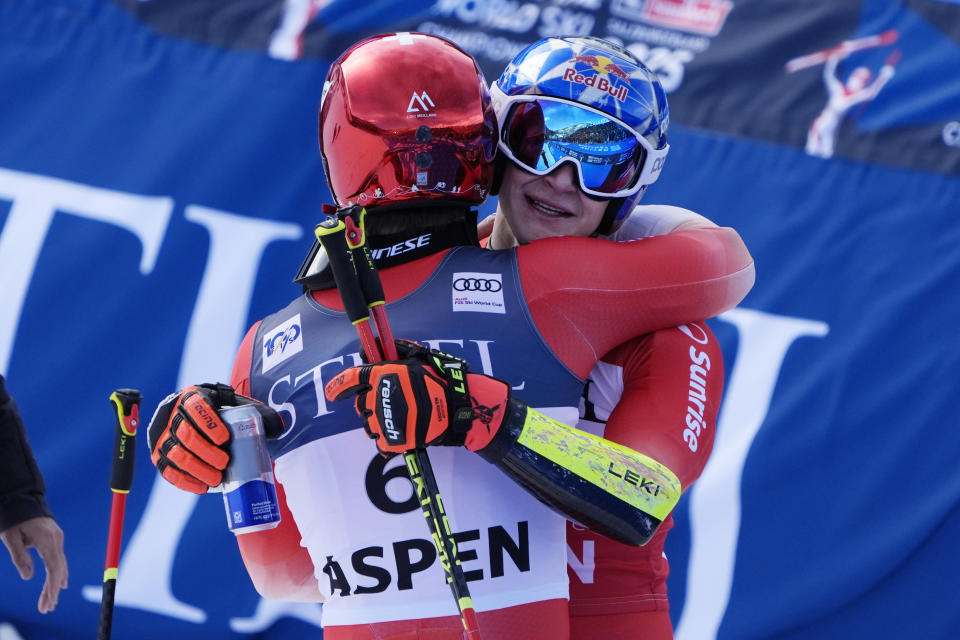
pixel 499 167
pixel 606 226
pixel 606 223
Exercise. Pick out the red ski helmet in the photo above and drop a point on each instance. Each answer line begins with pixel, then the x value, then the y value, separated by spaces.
pixel 406 117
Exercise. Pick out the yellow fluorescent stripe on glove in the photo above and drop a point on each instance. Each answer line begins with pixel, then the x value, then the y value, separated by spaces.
pixel 638 480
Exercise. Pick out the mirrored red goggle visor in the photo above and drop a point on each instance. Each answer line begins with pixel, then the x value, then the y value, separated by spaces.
pixel 539 134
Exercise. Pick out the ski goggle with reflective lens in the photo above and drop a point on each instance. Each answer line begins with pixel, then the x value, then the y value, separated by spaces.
pixel 613 160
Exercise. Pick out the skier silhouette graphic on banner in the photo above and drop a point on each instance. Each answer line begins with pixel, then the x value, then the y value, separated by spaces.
pixel 860 87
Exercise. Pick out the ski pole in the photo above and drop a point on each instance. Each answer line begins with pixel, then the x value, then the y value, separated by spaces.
pixel 370 286
pixel 418 462
pixel 344 240
pixel 126 404
pixel 331 234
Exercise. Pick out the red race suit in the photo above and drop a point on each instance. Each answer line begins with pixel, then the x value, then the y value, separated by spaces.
pixel 584 297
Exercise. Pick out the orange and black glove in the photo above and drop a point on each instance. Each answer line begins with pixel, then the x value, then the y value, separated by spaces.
pixel 190 444
pixel 425 398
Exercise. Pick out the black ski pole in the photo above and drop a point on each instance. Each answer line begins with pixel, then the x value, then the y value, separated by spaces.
pixel 344 240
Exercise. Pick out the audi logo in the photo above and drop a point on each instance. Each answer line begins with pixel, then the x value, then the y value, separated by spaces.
pixel 476 284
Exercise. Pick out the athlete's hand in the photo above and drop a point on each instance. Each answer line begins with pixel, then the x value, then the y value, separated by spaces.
pixel 43 534
pixel 425 398
pixel 485 226
pixel 189 443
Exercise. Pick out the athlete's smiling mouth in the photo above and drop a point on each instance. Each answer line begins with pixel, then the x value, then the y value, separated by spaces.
pixel 550 210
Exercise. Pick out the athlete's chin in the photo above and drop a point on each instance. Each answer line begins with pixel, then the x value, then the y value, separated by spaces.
pixel 538 224
pixel 540 231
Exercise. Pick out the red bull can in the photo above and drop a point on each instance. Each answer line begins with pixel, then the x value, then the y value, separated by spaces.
pixel 249 488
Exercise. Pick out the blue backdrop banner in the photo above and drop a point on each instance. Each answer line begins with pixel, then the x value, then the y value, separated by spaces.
pixel 159 180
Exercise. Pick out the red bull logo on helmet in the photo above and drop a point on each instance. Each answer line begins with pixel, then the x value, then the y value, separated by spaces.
pixel 604 67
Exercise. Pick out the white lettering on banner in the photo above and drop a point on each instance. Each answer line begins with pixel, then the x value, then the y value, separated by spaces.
pixel 35 201
pixel 225 293
pixel 318 383
pixel 269 611
pixel 319 379
pixel 506 15
pixel 483 348
pixel 316 374
pixel 237 244
pixel 147 562
pixel 669 64
pixel 477 42
pixel 652 35
pixel 951 134
pixel 762 346
pixel 280 407
pixel 219 317
pixel 592 5
pixel 216 329
pixel 438 344
pixel 286 41
pixel 555 20
pixel 585 568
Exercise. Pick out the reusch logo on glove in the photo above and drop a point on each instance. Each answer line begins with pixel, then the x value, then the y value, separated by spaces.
pixel 391 409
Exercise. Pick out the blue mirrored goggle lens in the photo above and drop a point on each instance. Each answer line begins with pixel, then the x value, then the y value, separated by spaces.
pixel 542 133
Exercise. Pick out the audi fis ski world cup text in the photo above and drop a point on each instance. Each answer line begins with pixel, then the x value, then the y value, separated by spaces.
pixel 478 292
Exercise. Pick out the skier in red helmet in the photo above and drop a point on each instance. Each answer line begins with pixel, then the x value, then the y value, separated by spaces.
pixel 407 131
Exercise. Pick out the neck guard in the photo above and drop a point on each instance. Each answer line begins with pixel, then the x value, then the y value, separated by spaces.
pixel 397 236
